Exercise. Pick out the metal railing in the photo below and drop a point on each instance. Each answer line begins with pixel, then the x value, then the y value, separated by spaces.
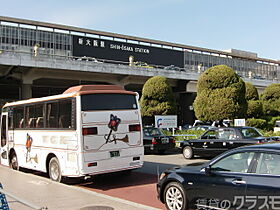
pixel 94 61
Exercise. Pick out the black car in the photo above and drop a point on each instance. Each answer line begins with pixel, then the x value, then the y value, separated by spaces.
pixel 218 140
pixel 156 141
pixel 242 178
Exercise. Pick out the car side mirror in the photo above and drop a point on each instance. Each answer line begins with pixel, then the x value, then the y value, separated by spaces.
pixel 206 170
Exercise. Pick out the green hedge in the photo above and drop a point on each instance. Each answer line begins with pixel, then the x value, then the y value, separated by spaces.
pixel 257 123
pixel 196 134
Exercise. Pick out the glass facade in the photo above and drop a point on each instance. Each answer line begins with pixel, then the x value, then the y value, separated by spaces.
pixel 52 42
pixel 246 68
pixel 24 39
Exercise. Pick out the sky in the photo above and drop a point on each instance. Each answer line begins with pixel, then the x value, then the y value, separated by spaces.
pixel 250 25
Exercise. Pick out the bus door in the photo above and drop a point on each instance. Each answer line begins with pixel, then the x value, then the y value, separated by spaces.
pixel 4 150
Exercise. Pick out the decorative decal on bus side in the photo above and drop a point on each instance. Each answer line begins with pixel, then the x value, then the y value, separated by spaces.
pixel 28 144
pixel 113 125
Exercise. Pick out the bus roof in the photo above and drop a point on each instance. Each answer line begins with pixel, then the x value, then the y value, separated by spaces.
pixel 92 89
pixel 76 91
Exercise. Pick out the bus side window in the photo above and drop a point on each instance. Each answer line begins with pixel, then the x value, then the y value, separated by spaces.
pixel 40 122
pixel 52 115
pixel 21 123
pixel 33 113
pixel 3 131
pixel 65 113
pixel 10 120
pixel 18 117
pixel 62 123
pixel 31 122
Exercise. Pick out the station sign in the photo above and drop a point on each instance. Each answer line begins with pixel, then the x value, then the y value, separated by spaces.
pixel 166 121
pixel 112 50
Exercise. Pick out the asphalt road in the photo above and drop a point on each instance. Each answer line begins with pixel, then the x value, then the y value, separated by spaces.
pixel 135 190
pixel 140 185
pixel 155 164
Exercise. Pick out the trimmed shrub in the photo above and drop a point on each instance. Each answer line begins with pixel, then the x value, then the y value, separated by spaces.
pixel 271 122
pixel 157 98
pixel 220 95
pixel 271 100
pixel 251 92
pixel 257 123
pixel 270 133
pixel 255 109
pixel 219 76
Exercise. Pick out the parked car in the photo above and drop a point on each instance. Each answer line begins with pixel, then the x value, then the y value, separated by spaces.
pixel 199 123
pixel 277 126
pixel 156 141
pixel 201 127
pixel 85 58
pixel 142 64
pixel 172 67
pixel 217 140
pixel 242 178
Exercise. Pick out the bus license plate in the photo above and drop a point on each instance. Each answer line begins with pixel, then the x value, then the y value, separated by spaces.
pixel 115 154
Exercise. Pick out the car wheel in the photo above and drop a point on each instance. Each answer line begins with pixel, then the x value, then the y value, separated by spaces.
pixel 175 197
pixel 54 170
pixel 187 152
pixel 14 162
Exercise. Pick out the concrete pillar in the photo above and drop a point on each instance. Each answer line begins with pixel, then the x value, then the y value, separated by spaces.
pixel 26 91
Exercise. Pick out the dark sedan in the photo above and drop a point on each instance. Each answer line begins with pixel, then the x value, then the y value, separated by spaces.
pixel 242 178
pixel 155 141
pixel 218 140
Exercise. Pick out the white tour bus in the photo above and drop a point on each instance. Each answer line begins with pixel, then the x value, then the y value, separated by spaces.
pixel 87 130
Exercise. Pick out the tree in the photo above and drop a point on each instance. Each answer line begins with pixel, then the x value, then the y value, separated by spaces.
pixel 220 95
pixel 254 109
pixel 271 100
pixel 157 98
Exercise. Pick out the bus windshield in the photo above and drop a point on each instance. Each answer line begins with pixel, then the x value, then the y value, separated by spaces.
pixel 108 102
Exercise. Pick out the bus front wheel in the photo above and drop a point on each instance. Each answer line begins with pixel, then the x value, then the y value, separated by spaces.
pixel 54 170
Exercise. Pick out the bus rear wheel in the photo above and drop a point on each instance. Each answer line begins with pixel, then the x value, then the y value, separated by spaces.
pixel 14 162
pixel 54 170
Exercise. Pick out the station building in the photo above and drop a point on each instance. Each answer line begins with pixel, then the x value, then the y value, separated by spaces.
pixel 39 59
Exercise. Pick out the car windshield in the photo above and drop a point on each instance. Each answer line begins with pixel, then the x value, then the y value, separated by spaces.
pixel 250 133
pixel 238 162
pixel 221 133
pixel 152 132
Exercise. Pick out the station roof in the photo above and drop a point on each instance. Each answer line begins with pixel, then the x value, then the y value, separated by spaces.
pixel 133 38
